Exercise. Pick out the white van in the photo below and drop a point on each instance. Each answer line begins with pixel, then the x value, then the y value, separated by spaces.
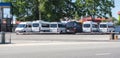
pixel 40 26
pixel 57 27
pixel 23 27
pixel 90 26
pixel 106 27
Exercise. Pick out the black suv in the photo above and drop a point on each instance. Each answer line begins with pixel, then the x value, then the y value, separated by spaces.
pixel 73 27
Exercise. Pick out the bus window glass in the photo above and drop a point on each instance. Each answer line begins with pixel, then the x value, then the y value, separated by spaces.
pixel 87 25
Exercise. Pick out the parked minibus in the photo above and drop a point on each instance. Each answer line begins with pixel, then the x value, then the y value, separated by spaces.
pixel 23 27
pixel 90 26
pixel 106 27
pixel 57 27
pixel 40 26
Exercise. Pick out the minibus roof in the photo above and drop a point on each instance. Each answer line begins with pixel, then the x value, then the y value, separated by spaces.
pixel 55 23
pixel 106 23
pixel 89 22
pixel 25 22
pixel 40 21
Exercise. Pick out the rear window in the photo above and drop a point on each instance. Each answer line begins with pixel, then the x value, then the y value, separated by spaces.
pixel 21 26
pixel 35 25
pixel 103 26
pixel 53 25
pixel 86 25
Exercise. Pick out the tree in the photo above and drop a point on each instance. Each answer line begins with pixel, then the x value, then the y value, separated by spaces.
pixel 93 8
pixel 53 10
pixel 25 10
pixel 50 10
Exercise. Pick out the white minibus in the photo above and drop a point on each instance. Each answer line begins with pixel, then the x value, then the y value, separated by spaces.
pixel 57 27
pixel 40 26
pixel 90 26
pixel 106 27
pixel 23 27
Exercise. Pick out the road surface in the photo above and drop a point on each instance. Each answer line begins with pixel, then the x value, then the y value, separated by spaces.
pixel 62 50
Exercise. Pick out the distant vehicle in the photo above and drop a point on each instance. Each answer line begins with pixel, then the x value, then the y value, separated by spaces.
pixel 57 27
pixel 23 27
pixel 90 26
pixel 106 27
pixel 117 29
pixel 40 26
pixel 73 27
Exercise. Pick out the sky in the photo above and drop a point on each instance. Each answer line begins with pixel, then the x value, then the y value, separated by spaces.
pixel 114 10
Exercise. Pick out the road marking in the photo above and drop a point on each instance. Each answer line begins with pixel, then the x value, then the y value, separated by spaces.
pixel 101 54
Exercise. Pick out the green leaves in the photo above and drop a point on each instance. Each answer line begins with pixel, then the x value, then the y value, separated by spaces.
pixel 53 10
pixel 95 7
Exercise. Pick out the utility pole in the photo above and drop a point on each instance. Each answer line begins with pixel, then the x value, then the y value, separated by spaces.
pixel 39 10
pixel 93 16
pixel 1 16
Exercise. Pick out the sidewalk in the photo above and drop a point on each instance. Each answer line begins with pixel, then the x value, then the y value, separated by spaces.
pixel 41 43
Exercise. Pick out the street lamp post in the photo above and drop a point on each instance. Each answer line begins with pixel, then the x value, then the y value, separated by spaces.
pixel 93 12
pixel 39 10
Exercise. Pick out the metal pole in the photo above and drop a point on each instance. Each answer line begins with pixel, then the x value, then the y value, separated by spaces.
pixel 39 11
pixel 3 37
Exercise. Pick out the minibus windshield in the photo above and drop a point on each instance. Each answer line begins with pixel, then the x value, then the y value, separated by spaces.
pixel 86 25
pixel 35 25
pixel 21 26
pixel 103 26
pixel 53 25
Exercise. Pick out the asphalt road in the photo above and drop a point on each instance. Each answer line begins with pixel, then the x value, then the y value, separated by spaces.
pixel 66 50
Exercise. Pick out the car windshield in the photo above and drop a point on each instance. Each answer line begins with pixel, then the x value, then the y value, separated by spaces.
pixel 86 25
pixel 53 25
pixel 70 24
pixel 21 26
pixel 103 26
pixel 35 25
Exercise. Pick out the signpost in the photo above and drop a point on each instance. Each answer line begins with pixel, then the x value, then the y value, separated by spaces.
pixel 2 6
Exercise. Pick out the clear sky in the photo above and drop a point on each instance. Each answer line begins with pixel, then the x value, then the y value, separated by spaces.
pixel 114 10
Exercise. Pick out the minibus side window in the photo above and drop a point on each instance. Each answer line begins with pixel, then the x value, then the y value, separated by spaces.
pixel 53 25
pixel 28 26
pixel 45 25
pixel 61 25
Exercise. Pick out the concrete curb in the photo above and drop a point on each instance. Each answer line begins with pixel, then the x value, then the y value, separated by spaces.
pixel 52 43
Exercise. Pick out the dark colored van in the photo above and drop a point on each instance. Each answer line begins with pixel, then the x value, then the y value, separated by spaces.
pixel 73 27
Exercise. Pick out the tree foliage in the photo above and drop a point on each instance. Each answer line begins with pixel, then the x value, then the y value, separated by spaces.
pixel 53 10
pixel 100 8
